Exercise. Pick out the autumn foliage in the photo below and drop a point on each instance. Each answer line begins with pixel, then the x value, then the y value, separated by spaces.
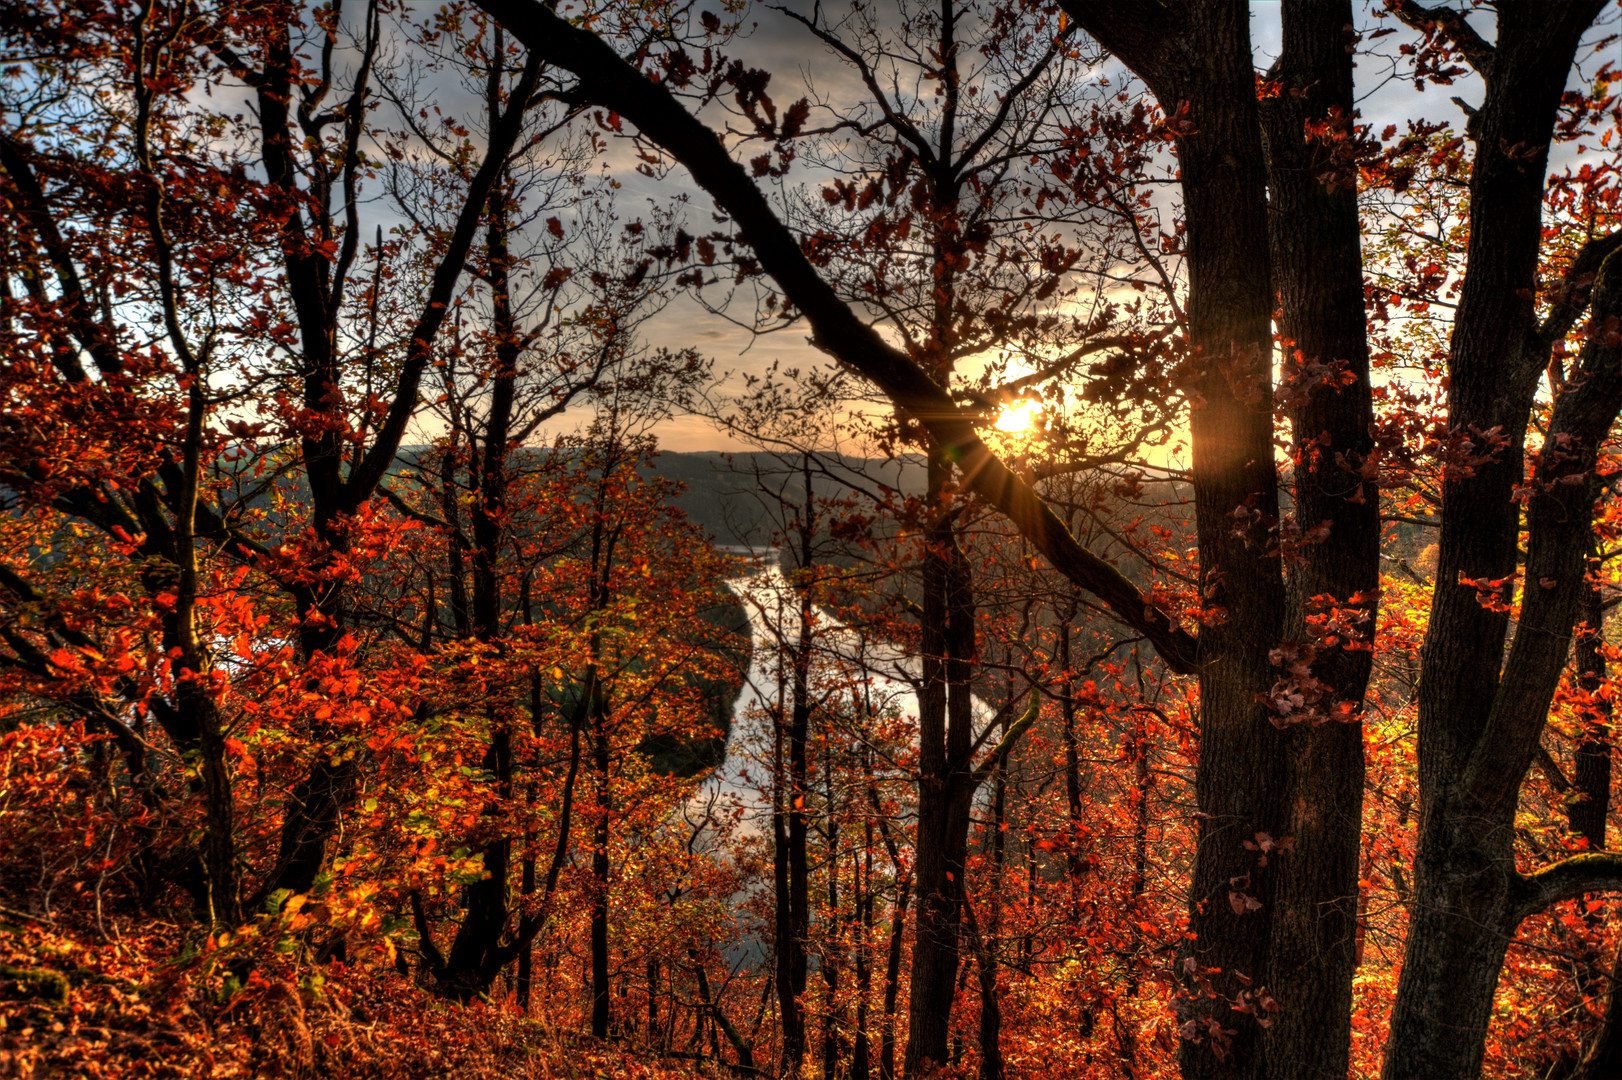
pixel 1088 675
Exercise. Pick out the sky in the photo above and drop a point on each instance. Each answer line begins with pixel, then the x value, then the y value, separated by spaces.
pixel 778 44
pixel 775 42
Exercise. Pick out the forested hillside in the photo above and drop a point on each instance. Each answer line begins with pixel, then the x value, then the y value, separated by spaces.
pixel 1138 602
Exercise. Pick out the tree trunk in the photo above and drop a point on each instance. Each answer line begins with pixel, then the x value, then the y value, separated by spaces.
pixel 599 871
pixel 1318 270
pixel 799 792
pixel 862 868
pixel 1198 57
pixel 1072 755
pixel 1481 714
pixel 985 937
pixel 831 1018
pixel 474 959
pixel 944 789
pixel 892 963
pixel 788 1003
pixel 1591 767
pixel 1603 1061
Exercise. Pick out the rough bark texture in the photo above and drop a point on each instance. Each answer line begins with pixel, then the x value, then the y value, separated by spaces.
pixel 1586 814
pixel 1198 56
pixel 1318 275
pixel 1478 730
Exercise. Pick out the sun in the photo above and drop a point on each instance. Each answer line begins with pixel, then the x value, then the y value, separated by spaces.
pixel 1019 417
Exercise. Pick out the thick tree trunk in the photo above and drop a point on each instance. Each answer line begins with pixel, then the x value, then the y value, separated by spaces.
pixel 1255 783
pixel 1318 274
pixel 1205 63
pixel 1459 932
pixel 1480 714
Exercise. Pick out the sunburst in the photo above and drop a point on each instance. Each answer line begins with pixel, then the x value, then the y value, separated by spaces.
pixel 1019 417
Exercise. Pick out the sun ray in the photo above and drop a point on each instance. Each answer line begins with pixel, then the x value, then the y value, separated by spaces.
pixel 1019 417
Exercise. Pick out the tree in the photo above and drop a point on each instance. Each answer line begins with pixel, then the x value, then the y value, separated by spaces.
pixel 1200 56
pixel 254 283
pixel 286 702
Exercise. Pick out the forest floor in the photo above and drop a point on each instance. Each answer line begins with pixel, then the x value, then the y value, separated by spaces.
pixel 96 1002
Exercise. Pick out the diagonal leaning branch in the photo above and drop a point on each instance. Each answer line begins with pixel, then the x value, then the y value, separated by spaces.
pixel 608 81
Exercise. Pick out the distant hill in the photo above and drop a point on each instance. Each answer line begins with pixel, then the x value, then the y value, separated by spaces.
pixel 735 497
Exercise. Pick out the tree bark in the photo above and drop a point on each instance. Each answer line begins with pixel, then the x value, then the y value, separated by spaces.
pixel 944 787
pixel 1197 57
pixel 799 791
pixel 1318 273
pixel 1591 768
pixel 475 955
pixel 1479 729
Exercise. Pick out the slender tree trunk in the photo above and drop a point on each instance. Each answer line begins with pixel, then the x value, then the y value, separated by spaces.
pixel 474 958
pixel 219 831
pixel 526 950
pixel 944 789
pixel 653 1001
pixel 1591 768
pixel 892 963
pixel 788 1003
pixel 1072 754
pixel 832 1020
pixel 599 872
pixel 991 1062
pixel 790 792
pixel 1603 1061
pixel 797 811
pixel 862 871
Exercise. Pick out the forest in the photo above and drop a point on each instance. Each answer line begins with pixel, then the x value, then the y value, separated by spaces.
pixel 855 540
